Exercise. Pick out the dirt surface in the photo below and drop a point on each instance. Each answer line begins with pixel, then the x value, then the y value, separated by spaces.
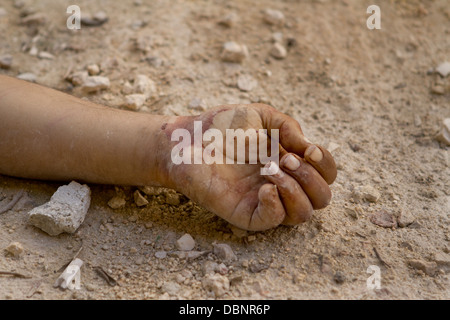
pixel 368 94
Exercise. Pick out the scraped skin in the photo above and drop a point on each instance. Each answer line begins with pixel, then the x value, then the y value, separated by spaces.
pixel 46 134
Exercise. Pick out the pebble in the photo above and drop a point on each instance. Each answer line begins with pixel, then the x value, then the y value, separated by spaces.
pixel 116 202
pixel 139 199
pixel 94 83
pixel 144 85
pixel 170 287
pixel 135 101
pixel 339 277
pixel 46 55
pixel 246 82
pixel 367 193
pixel 229 20
pixel 172 198
pixel 65 211
pixel 93 69
pixel 28 76
pixel 383 219
pixel 160 254
pixel 405 218
pixel 3 12
pixel 430 268
pixel 438 89
pixel 15 249
pixel 234 52
pixel 186 243
pixel 273 17
pixel 209 267
pixel 216 283
pixel 278 51
pixel 238 232
pixel 442 260
pixel 96 20
pixel 77 78
pixel 151 191
pixel 443 69
pixel 224 252
pixel 444 135
pixel 198 104
pixel 6 61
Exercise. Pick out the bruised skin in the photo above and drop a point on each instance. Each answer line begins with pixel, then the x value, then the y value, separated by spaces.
pixel 46 134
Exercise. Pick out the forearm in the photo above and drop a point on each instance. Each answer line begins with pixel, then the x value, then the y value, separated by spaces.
pixel 46 134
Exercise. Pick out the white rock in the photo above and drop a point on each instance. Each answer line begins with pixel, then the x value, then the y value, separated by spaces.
pixel 234 52
pixel 405 218
pixel 33 51
pixel 143 84
pixel 171 288
pixel 139 199
pixel 160 254
pixel 65 211
pixel 229 20
pixel 6 61
pixel 28 76
pixel 367 193
pixel 224 252
pixel 135 101
pixel 77 78
pixel 443 69
pixel 46 55
pixel 95 83
pixel 198 104
pixel 273 17
pixel 116 202
pixel 186 242
pixel 444 135
pixel 216 283
pixel 3 12
pixel 93 69
pixel 278 51
pixel 246 82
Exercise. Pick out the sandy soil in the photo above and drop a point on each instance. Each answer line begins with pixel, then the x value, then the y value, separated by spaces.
pixel 365 93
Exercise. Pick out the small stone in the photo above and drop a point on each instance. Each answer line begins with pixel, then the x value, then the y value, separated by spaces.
pixel 216 283
pixel 105 247
pixel 383 219
pixel 94 21
pixel 197 104
pixel 273 17
pixel 33 51
pixel 28 76
pixel 151 191
pixel 116 202
pixel 229 20
pixel 77 78
pixel 139 199
pixel 443 69
pixel 186 242
pixel 172 198
pixel 367 193
pixel 278 51
pixel 3 12
pixel 442 260
pixel 46 55
pixel 135 101
pixel 224 252
pixel 133 250
pixel 94 83
pixel 148 225
pixel 144 85
pixel 19 4
pixel 15 249
pixel 234 52
pixel 438 89
pixel 160 254
pixel 430 268
pixel 93 69
pixel 339 277
pixel 238 232
pixel 444 134
pixel 170 287
pixel 277 37
pixel 246 82
pixel 65 211
pixel 6 61
pixel 209 267
pixel 405 218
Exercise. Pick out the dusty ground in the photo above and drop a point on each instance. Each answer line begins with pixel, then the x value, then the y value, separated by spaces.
pixel 367 92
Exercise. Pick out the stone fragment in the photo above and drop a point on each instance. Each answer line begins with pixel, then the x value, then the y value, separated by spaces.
pixel 224 252
pixel 139 199
pixel 278 51
pixel 234 52
pixel 186 243
pixel 273 17
pixel 15 249
pixel 216 283
pixel 383 219
pixel 116 202
pixel 65 211
pixel 94 83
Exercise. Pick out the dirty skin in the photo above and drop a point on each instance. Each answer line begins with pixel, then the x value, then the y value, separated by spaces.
pixel 97 144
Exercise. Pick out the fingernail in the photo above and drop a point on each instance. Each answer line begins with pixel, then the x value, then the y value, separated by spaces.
pixel 291 162
pixel 314 153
